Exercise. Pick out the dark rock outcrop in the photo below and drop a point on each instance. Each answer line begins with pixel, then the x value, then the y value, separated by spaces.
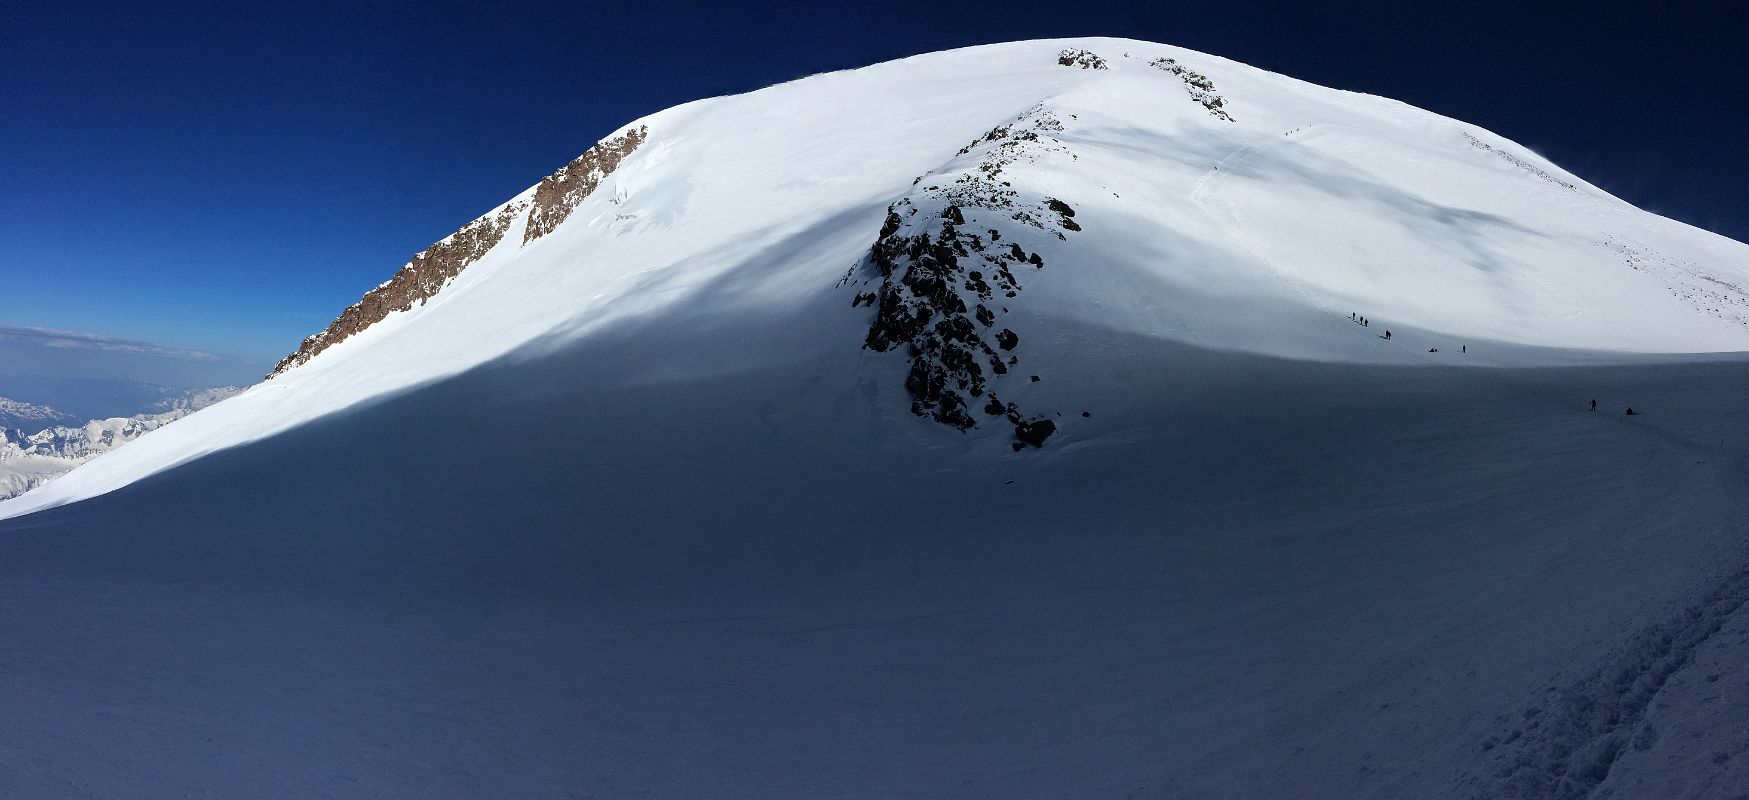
pixel 1034 432
pixel 1201 89
pixel 1085 59
pixel 940 271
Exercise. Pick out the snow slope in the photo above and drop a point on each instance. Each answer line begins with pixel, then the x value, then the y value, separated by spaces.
pixel 1261 234
pixel 630 509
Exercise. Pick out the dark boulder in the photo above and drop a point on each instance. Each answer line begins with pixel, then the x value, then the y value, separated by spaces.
pixel 1034 432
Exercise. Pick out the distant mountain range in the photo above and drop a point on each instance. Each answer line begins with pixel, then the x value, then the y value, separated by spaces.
pixel 30 416
pixel 37 445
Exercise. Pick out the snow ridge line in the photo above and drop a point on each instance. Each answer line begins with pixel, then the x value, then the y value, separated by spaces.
pixel 1563 747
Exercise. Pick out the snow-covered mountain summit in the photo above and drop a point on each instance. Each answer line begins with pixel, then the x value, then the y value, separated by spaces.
pixel 968 212
pixel 1052 419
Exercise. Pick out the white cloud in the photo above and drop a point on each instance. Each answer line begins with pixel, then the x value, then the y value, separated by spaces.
pixel 74 340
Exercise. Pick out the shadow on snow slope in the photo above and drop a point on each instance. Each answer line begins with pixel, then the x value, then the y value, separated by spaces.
pixel 576 572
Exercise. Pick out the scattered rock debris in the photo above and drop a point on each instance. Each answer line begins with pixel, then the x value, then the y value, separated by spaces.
pixel 1519 163
pixel 1686 280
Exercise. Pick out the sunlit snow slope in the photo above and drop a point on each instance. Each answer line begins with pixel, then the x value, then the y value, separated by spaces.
pixel 990 423
pixel 1260 227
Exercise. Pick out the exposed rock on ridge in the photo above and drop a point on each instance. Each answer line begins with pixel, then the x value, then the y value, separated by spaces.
pixel 562 191
pixel 1519 163
pixel 1085 59
pixel 1201 89
pixel 429 271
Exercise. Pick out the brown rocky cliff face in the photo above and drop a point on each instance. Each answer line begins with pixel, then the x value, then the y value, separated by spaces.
pixel 554 199
pixel 562 191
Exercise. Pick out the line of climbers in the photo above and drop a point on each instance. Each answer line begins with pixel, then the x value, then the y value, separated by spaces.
pixel 1362 321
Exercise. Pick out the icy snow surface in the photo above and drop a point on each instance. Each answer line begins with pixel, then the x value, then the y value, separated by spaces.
pixel 629 511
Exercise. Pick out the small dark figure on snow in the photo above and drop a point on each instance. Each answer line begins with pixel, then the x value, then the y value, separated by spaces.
pixel 1594 405
pixel 1387 336
pixel 1432 349
pixel 1630 411
pixel 1465 350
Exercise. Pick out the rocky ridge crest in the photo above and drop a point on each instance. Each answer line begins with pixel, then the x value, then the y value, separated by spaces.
pixel 423 277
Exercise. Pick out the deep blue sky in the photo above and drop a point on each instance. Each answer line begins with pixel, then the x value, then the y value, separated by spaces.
pixel 229 177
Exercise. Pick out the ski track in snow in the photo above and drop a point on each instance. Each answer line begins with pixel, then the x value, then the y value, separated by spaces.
pixel 1565 746
pixel 1207 197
